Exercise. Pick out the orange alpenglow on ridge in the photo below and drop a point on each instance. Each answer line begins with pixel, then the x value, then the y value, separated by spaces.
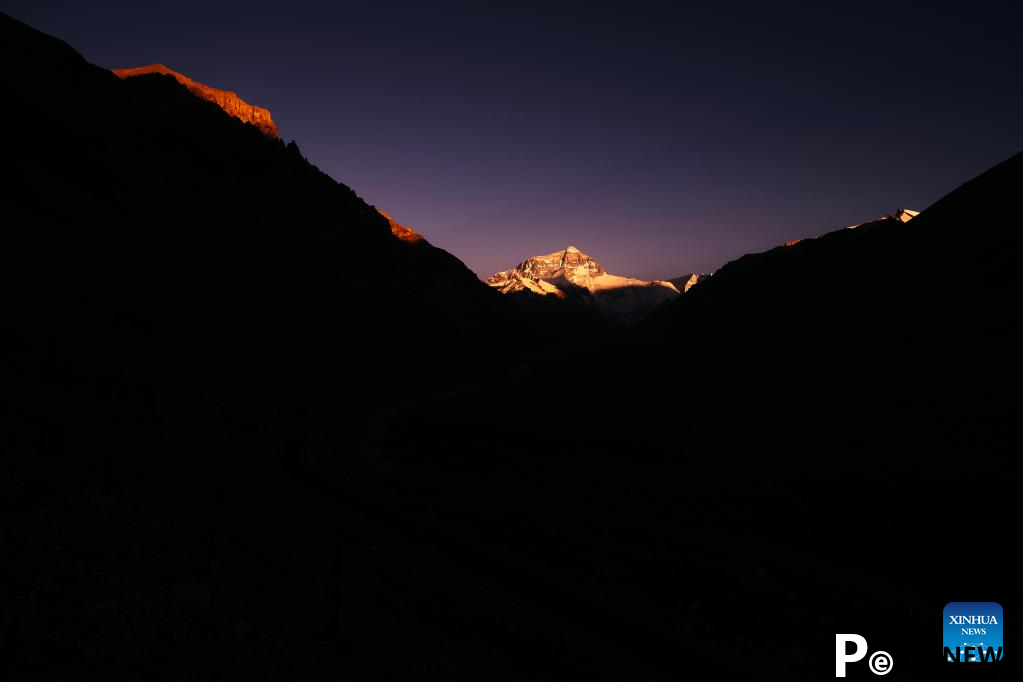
pixel 403 233
pixel 225 99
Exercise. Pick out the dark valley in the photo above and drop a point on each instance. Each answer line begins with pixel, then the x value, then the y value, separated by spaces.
pixel 255 429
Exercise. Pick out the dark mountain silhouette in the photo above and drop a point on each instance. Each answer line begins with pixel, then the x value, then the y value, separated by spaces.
pixel 847 281
pixel 252 429
pixel 779 437
pixel 195 250
pixel 923 310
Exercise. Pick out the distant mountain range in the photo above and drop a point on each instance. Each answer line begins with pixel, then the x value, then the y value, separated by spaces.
pixel 568 276
pixel 573 276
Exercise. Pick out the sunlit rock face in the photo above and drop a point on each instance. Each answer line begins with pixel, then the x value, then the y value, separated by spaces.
pixel 405 234
pixel 571 274
pixel 225 99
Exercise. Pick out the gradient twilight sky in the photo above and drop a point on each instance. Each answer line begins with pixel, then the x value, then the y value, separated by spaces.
pixel 659 137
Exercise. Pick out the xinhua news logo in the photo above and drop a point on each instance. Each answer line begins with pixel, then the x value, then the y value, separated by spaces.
pixel 972 632
pixel 880 662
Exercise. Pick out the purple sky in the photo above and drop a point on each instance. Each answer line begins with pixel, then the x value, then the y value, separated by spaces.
pixel 658 139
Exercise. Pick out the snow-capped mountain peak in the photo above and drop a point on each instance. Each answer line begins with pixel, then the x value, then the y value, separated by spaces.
pixel 572 274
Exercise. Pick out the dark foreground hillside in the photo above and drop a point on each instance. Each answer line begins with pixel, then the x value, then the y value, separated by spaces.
pixel 247 434
pixel 818 439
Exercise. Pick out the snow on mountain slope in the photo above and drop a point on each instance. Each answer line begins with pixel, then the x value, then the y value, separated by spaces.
pixel 903 215
pixel 571 274
pixel 687 282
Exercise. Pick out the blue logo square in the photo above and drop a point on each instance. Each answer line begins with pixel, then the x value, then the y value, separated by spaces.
pixel 972 624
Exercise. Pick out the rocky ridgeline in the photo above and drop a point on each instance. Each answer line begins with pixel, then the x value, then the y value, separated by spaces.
pixel 405 234
pixel 229 101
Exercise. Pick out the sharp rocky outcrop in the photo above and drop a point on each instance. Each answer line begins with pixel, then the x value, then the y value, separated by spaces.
pixel 402 233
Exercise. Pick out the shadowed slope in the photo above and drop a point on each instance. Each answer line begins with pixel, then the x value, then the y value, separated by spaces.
pixel 158 246
pixel 183 298
pixel 947 270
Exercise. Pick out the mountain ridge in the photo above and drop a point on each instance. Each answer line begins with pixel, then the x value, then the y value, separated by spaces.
pixel 227 100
